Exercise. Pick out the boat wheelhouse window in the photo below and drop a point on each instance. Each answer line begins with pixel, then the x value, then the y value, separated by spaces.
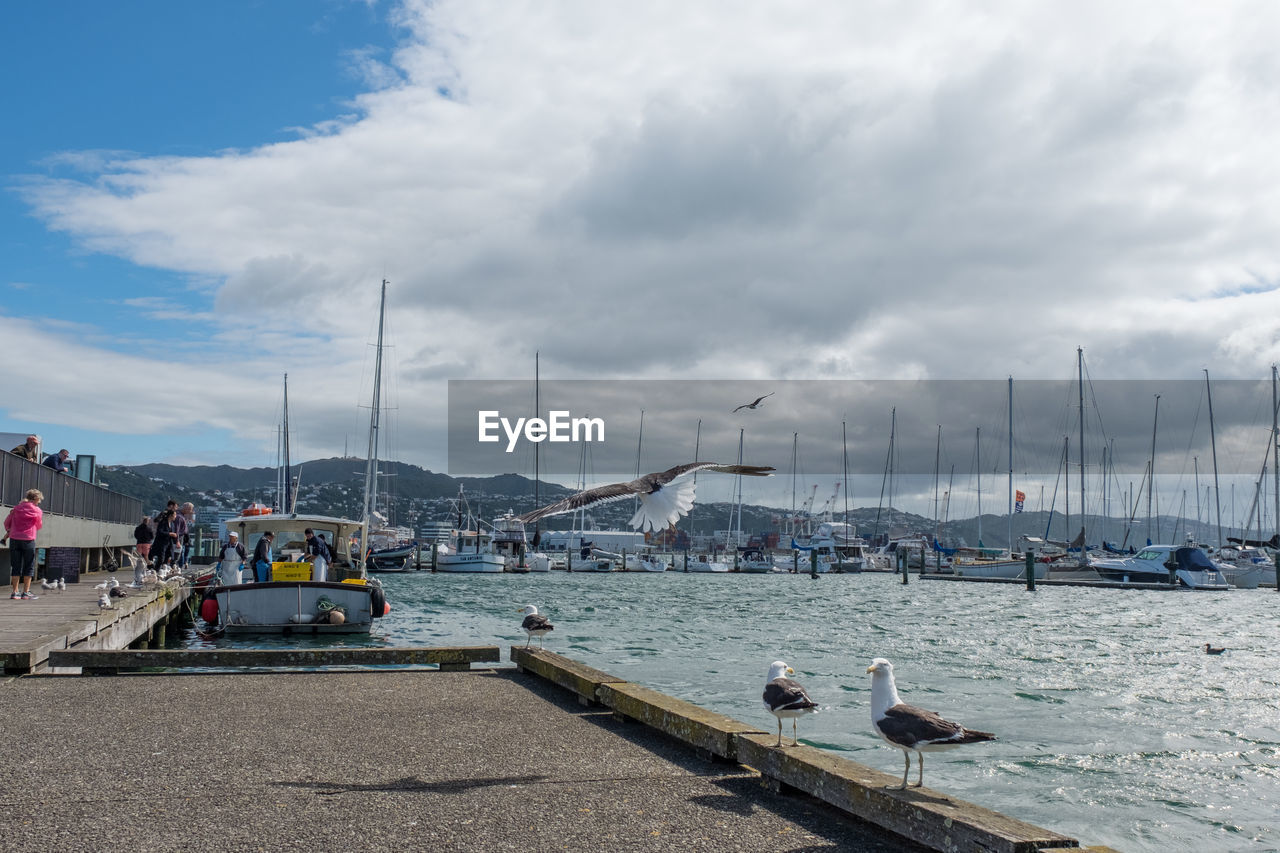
pixel 1149 554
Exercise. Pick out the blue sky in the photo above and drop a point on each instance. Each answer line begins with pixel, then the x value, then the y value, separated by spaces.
pixel 161 80
pixel 202 197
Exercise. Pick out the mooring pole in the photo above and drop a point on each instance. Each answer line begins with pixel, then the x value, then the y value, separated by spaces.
pixel 813 562
pixel 902 563
pixel 1031 570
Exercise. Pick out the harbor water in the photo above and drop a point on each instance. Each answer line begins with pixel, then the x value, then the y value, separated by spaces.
pixel 1114 725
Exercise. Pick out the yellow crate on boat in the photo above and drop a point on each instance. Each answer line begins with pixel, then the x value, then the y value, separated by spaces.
pixel 356 581
pixel 291 571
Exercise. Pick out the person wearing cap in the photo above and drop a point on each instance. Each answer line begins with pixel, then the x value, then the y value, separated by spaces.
pixel 230 557
pixel 261 562
pixel 29 451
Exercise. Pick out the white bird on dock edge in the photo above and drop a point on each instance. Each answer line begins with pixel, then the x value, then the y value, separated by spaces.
pixel 786 698
pixel 912 729
pixel 534 624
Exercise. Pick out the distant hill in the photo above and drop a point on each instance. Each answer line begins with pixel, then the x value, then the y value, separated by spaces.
pixel 407 481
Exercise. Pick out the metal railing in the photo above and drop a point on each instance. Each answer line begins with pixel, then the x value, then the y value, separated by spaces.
pixel 63 493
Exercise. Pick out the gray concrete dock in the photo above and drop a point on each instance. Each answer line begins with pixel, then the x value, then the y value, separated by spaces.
pixel 488 760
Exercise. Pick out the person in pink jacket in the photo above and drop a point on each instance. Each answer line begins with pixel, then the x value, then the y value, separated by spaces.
pixel 20 528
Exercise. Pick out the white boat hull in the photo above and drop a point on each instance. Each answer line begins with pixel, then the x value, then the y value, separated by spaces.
pixel 291 607
pixel 1007 569
pixel 470 563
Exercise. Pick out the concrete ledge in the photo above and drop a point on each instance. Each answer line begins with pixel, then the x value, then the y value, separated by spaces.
pixel 925 816
pixel 702 729
pixel 106 660
pixel 558 669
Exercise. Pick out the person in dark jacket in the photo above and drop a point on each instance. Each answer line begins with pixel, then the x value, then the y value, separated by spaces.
pixel 143 535
pixel 58 461
pixel 261 561
pixel 166 544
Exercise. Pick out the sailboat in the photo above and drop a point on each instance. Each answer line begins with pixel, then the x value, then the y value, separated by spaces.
pixel 1005 565
pixel 297 596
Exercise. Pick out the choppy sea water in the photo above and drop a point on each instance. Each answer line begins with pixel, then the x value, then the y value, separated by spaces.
pixel 1114 726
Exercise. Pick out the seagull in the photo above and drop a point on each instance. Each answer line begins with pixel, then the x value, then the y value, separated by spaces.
pixel 104 598
pixel 62 584
pixel 754 405
pixel 1214 650
pixel 911 729
pixel 786 698
pixel 534 624
pixel 659 506
pixel 112 583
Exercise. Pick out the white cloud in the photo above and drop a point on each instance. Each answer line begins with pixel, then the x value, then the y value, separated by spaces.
pixel 808 190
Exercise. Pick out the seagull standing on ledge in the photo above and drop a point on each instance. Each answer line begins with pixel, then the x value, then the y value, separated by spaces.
pixel 911 729
pixel 786 698
pixel 661 504
pixel 534 624
pixel 754 405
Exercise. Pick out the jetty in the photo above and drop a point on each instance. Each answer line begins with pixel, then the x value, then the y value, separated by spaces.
pixel 415 748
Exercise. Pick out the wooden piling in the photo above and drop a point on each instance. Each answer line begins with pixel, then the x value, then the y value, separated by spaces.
pixel 1031 569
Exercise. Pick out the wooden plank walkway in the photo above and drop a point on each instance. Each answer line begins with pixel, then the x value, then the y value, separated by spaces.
pixel 104 662
pixel 30 630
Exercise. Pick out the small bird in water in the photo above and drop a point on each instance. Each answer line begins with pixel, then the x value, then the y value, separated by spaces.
pixel 534 624
pixel 912 729
pixel 754 405
pixel 786 698
pixel 1214 650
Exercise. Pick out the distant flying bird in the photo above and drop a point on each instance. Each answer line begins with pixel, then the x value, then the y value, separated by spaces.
pixel 912 729
pixel 754 405
pixel 534 624
pixel 786 698
pixel 1214 650
pixel 659 505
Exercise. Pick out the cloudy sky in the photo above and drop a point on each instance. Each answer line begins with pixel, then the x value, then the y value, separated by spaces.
pixel 202 197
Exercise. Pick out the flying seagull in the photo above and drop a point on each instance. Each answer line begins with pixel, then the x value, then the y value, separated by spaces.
pixel 786 698
pixel 911 729
pixel 1214 650
pixel 659 505
pixel 534 624
pixel 754 405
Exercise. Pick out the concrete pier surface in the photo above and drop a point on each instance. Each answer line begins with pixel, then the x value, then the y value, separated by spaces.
pixel 488 760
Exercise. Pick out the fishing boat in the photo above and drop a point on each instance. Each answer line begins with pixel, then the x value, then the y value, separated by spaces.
pixel 300 597
pixel 1191 568
pixel 302 594
pixel 511 542
pixel 471 551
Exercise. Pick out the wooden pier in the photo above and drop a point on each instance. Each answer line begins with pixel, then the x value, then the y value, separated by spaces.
pixel 72 619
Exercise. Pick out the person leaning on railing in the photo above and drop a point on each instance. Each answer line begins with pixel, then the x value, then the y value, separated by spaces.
pixel 29 451
pixel 58 461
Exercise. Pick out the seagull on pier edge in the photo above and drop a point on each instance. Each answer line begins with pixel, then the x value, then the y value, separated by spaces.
pixel 753 405
pixel 912 729
pixel 534 624
pixel 660 506
pixel 786 698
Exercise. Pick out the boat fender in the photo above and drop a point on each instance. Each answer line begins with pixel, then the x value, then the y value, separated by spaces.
pixel 378 602
pixel 386 608
pixel 209 609
pixel 302 618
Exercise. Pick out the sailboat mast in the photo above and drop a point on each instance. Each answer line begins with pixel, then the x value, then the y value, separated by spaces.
pixel 537 445
pixel 1275 437
pixel 375 411
pixel 795 443
pixel 737 524
pixel 1150 491
pixel 1080 375
pixel 844 454
pixel 977 454
pixel 1011 467
pixel 286 505
pixel 1213 443
pixel 937 465
pixel 639 444
pixel 697 446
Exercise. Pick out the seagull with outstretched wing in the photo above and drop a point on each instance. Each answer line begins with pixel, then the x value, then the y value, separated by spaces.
pixel 754 405
pixel 664 496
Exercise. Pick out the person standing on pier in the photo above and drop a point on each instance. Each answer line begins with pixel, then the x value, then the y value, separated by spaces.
pixel 188 515
pixel 166 537
pixel 29 451
pixel 261 561
pixel 22 524
pixel 143 535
